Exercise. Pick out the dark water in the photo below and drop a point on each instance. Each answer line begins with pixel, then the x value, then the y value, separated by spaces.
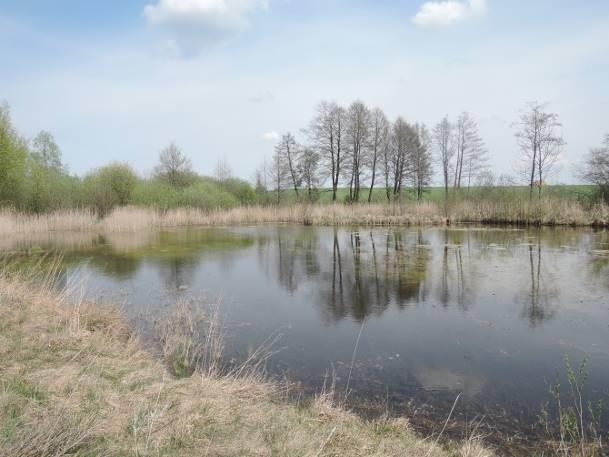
pixel 488 313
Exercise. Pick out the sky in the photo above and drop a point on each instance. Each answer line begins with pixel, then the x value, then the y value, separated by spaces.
pixel 117 80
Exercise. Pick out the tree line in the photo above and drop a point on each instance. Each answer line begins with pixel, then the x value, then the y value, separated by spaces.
pixel 34 178
pixel 359 149
pixel 356 150
pixel 355 147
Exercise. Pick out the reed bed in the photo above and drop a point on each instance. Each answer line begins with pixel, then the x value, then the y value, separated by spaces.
pixel 14 222
pixel 75 381
pixel 546 211
pixel 134 219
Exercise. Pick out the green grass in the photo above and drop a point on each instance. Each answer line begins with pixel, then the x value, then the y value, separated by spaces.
pixel 436 194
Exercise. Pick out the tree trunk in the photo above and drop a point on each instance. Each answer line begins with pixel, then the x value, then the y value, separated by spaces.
pixel 373 177
pixel 533 172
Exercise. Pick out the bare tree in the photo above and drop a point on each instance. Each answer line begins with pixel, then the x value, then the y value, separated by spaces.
pixel 261 176
pixel 287 151
pixel 548 158
pixel 421 160
pixel 357 133
pixel 309 171
pixel 326 133
pixel 223 170
pixel 596 168
pixel 174 167
pixel 402 140
pixel 539 142
pixel 379 143
pixel 476 163
pixel 442 137
pixel 470 150
pixel 277 175
pixel 387 161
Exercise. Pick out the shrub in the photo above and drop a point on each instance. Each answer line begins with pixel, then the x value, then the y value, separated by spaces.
pixel 203 193
pixel 110 186
pixel 240 189
pixel 13 154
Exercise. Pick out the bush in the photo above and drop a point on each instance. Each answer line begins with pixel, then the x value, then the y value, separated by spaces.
pixel 110 186
pixel 13 154
pixel 49 191
pixel 240 189
pixel 206 194
pixel 203 193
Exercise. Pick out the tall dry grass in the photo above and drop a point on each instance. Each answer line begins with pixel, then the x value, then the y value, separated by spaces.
pixel 545 211
pixel 192 339
pixel 135 219
pixel 14 222
pixel 132 219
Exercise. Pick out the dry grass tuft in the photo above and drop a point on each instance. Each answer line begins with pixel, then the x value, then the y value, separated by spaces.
pixel 192 340
pixel 473 447
pixel 51 433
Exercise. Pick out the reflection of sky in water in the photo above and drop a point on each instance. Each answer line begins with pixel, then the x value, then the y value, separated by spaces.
pixel 489 313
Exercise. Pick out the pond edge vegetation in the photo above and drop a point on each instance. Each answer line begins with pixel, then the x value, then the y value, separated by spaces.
pixel 544 212
pixel 76 380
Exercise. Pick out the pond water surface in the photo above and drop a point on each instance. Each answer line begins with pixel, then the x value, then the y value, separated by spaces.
pixel 486 313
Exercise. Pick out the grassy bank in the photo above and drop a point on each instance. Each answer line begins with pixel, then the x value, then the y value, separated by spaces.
pixel 547 211
pixel 75 381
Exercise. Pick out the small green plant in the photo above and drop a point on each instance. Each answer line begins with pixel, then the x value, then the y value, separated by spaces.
pixel 576 430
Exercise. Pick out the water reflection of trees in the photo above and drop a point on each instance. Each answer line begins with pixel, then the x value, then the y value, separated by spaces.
pixel 598 246
pixel 370 271
pixel 176 255
pixel 178 272
pixel 360 273
pixel 354 273
pixel 116 266
pixel 289 254
pixel 457 278
pixel 538 296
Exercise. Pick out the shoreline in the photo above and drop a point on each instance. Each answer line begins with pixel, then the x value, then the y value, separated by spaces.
pixel 543 213
pixel 76 379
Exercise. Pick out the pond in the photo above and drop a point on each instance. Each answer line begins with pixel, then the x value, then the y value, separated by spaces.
pixel 417 316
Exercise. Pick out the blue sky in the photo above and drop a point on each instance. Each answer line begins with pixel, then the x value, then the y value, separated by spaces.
pixel 118 80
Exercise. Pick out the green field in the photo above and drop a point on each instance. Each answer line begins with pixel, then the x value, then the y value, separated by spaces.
pixel 436 194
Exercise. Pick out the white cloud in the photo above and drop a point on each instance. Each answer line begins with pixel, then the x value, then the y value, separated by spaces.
pixel 192 24
pixel 270 136
pixel 447 12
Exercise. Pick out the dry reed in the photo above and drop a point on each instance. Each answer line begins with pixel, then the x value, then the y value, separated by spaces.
pixel 545 211
pixel 135 219
pixel 13 222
